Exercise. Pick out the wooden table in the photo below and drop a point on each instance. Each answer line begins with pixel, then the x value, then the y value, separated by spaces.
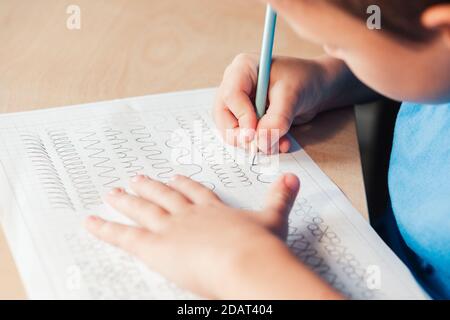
pixel 131 48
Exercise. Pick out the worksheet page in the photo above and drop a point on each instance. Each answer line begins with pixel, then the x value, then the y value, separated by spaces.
pixel 57 163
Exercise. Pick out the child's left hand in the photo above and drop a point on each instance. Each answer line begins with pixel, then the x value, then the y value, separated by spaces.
pixel 191 237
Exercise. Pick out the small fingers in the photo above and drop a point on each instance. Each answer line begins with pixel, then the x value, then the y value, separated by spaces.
pixel 160 194
pixel 237 119
pixel 234 112
pixel 131 239
pixel 240 105
pixel 226 123
pixel 141 211
pixel 193 190
pixel 278 119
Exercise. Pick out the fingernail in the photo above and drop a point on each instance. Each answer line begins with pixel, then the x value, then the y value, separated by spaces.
pixel 116 191
pixel 292 182
pixel 93 218
pixel 138 178
pixel 92 221
pixel 173 178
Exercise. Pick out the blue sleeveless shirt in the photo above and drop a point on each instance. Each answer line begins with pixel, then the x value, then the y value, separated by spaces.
pixel 419 186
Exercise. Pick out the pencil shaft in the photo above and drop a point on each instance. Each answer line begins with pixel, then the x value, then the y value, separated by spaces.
pixel 265 62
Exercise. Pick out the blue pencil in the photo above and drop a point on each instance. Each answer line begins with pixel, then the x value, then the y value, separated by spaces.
pixel 265 62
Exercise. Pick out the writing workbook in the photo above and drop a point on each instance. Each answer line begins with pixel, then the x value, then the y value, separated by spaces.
pixel 57 163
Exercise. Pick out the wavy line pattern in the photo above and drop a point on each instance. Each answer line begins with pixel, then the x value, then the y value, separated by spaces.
pixel 75 168
pixel 176 143
pixel 93 146
pixel 122 151
pixel 152 152
pixel 46 171
pixel 333 246
pixel 228 171
pixel 107 273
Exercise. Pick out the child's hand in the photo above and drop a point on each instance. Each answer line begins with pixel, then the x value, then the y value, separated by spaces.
pixel 186 233
pixel 294 94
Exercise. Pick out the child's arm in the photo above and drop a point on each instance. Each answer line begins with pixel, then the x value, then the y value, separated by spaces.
pixel 299 89
pixel 191 237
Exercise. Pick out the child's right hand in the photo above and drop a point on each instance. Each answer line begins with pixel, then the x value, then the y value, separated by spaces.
pixel 295 91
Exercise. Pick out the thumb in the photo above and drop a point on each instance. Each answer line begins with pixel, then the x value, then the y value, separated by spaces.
pixel 280 200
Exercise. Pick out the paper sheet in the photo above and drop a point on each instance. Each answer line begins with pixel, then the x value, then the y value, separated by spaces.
pixel 57 163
